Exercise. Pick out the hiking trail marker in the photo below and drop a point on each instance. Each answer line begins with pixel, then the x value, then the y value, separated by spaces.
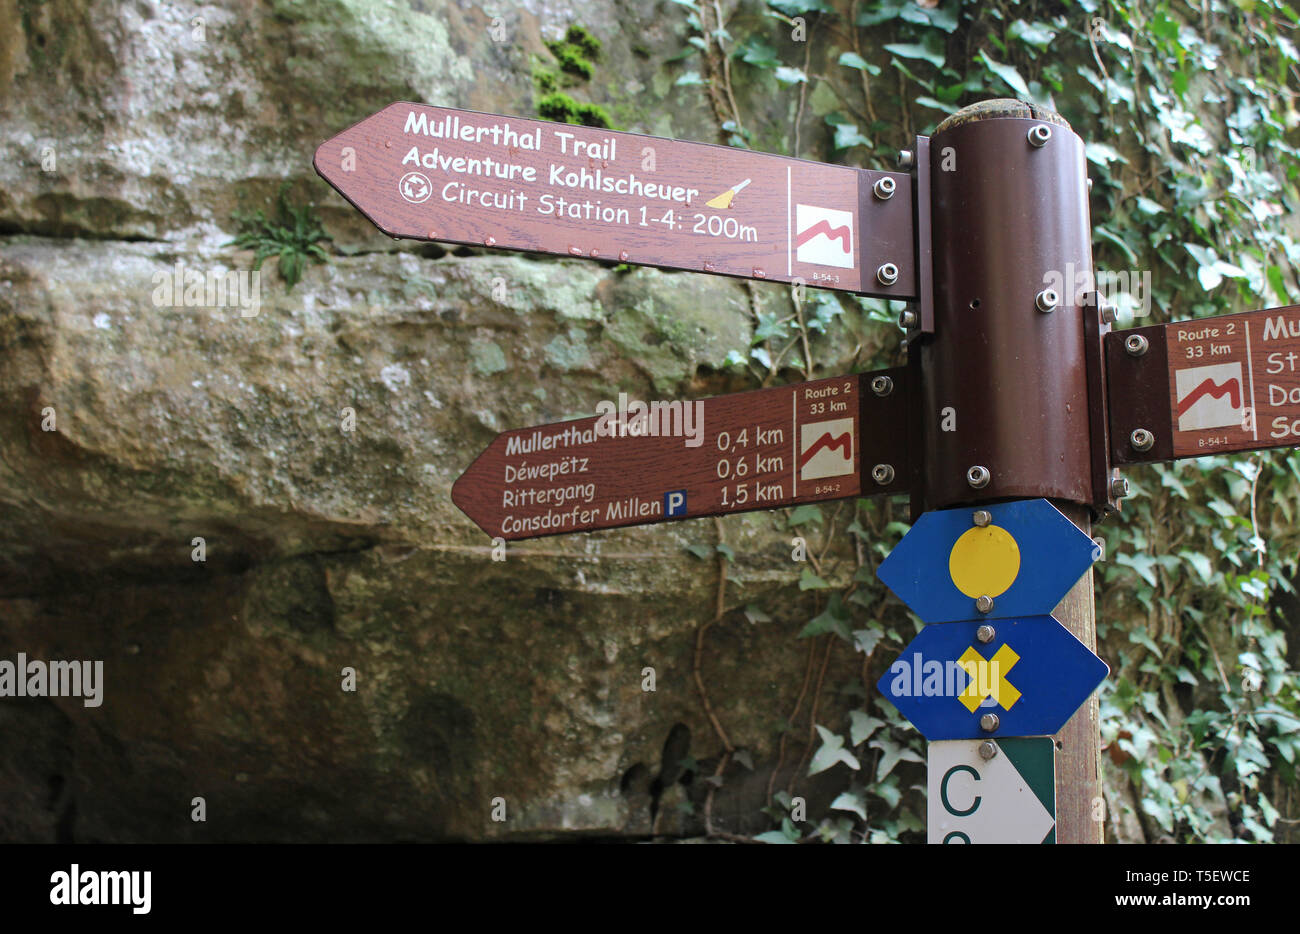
pixel 1014 394
pixel 998 791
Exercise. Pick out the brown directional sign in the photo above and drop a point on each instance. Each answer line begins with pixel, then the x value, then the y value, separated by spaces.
pixel 637 463
pixel 433 173
pixel 1206 386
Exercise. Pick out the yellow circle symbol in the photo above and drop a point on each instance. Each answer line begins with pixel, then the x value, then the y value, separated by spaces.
pixel 984 561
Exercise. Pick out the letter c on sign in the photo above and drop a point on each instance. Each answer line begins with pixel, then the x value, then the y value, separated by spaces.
pixel 943 792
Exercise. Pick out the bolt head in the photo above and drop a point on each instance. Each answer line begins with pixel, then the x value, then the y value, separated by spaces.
pixel 988 749
pixel 884 188
pixel 1039 135
pixel 1136 344
pixel 989 722
pixel 1142 440
pixel 887 274
pixel 907 320
pixel 978 477
pixel 982 518
pixel 1109 313
pixel 906 159
pixel 882 385
pixel 883 474
pixel 1047 300
pixel 985 633
pixel 984 603
pixel 1119 487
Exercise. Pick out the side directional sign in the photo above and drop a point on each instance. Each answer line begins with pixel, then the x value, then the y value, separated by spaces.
pixel 640 463
pixel 1207 386
pixel 1032 675
pixel 1002 793
pixel 1025 558
pixel 433 173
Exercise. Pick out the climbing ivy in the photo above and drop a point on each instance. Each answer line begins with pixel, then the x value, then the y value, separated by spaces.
pixel 1190 113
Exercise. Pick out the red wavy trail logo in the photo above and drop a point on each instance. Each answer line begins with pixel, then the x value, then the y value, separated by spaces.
pixel 841 233
pixel 1230 387
pixel 828 442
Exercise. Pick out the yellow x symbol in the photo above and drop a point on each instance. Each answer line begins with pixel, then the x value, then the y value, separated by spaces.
pixel 987 677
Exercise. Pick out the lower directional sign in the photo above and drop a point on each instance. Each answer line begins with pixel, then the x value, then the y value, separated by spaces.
pixel 1001 791
pixel 1030 676
pixel 640 463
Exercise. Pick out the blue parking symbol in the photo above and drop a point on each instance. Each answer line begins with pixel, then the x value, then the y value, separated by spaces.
pixel 675 503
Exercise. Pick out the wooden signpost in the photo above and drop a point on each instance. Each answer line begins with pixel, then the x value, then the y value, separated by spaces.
pixel 1014 391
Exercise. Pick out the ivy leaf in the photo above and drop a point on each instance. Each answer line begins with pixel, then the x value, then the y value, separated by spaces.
pixel 854 60
pixel 917 51
pixel 755 615
pixel 1007 74
pixel 773 836
pixel 758 53
pixel 831 753
pixel 700 551
pixel 787 75
pixel 862 726
pixel 892 753
pixel 810 581
pixel 809 512
pixel 832 619
pixel 688 79
pixel 848 801
pixel 866 640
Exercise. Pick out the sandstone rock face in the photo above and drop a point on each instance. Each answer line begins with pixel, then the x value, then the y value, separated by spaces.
pixel 306 453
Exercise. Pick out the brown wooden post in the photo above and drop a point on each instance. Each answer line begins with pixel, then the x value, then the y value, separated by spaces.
pixel 1005 407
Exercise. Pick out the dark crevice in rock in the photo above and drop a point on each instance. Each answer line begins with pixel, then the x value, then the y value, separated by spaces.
pixel 71 232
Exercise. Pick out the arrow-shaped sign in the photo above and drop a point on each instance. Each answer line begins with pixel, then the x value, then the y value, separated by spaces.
pixel 1001 791
pixel 1207 386
pixel 1022 556
pixel 434 173
pixel 639 463
pixel 1029 677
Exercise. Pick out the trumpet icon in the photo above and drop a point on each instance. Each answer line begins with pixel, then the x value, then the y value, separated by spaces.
pixel 724 200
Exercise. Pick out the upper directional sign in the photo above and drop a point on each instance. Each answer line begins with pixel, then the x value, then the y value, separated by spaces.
pixel 1032 675
pixel 1025 560
pixel 1207 386
pixel 640 463
pixel 1009 797
pixel 432 173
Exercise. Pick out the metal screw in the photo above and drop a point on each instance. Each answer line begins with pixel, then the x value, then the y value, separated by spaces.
pixel 1101 547
pixel 982 517
pixel 907 320
pixel 882 385
pixel 1108 313
pixel 989 722
pixel 1039 135
pixel 1119 487
pixel 985 633
pixel 978 477
pixel 887 274
pixel 988 749
pixel 906 159
pixel 984 603
pixel 1141 439
pixel 883 474
pixel 1047 300
pixel 884 188
pixel 1136 344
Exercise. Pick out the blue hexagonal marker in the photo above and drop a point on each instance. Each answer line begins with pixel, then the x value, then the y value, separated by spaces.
pixel 1024 560
pixel 1030 677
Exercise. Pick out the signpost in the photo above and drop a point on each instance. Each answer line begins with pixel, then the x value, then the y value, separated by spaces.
pixel 1015 394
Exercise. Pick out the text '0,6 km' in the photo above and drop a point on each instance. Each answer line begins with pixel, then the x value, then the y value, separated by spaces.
pixel 640 463
pixel 433 173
